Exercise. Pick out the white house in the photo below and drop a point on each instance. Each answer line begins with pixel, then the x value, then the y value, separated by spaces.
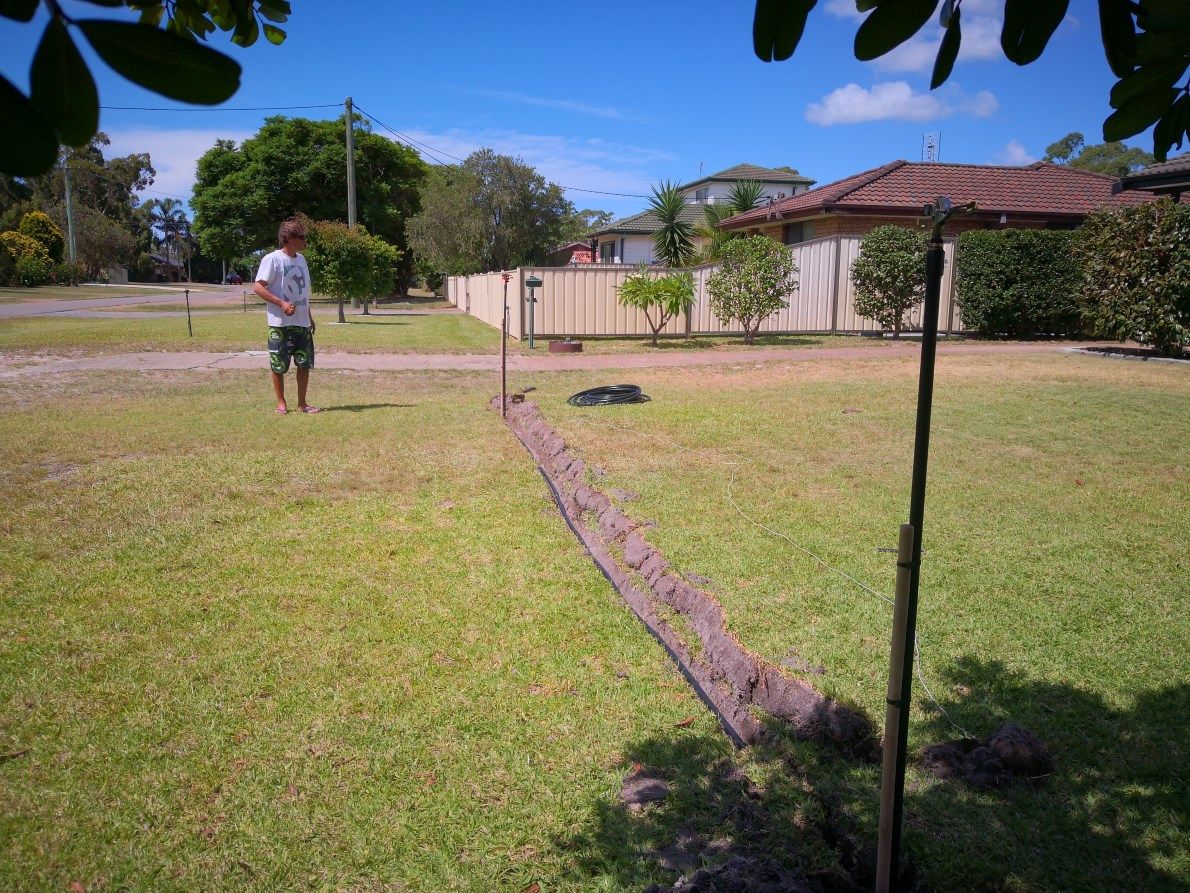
pixel 629 240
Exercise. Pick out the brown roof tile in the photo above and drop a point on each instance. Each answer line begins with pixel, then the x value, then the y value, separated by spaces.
pixel 1041 189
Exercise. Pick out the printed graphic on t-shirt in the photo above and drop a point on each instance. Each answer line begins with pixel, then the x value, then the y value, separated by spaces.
pixel 294 283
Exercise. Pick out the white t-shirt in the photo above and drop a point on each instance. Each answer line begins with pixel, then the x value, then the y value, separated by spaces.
pixel 289 279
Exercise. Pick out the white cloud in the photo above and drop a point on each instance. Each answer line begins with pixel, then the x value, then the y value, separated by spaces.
pixel 568 105
pixel 981 41
pixel 173 153
pixel 896 100
pixel 844 9
pixel 1013 154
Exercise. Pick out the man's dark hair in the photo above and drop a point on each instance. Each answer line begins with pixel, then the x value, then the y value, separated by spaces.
pixel 292 228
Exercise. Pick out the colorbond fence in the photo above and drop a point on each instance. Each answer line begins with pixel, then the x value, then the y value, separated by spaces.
pixel 582 300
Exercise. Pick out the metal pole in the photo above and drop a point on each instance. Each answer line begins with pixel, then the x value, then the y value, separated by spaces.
pixel 940 212
pixel 892 714
pixel 189 327
pixel 532 301
pixel 245 294
pixel 504 351
pixel 69 214
pixel 350 165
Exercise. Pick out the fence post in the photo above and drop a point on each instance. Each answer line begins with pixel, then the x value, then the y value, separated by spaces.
pixel 835 285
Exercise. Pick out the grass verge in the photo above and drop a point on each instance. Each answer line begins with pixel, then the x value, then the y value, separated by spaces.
pixel 1053 589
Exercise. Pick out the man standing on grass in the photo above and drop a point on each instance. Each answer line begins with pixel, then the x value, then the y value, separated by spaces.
pixel 283 282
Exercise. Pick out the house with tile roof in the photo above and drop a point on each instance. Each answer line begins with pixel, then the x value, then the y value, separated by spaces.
pixel 1170 178
pixel 629 240
pixel 1041 195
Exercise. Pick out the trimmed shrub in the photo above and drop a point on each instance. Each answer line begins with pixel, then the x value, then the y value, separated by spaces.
pixel 349 263
pixel 16 247
pixel 1136 274
pixel 660 298
pixel 890 275
pixel 755 276
pixel 38 226
pixel 33 270
pixel 1018 282
pixel 68 273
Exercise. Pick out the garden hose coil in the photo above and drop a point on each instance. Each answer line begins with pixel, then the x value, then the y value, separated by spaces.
pixel 609 395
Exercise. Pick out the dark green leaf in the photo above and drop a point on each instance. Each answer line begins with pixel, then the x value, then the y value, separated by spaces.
pixel 948 52
pixel 890 25
pixel 1163 15
pixel 866 5
pixel 1119 35
pixel 777 26
pixel 274 35
pixel 246 31
pixel 1028 26
pixel 62 87
pixel 164 63
pixel 111 4
pixel 275 11
pixel 1160 46
pixel 30 146
pixel 1144 79
pixel 21 10
pixel 151 15
pixel 1137 114
pixel 1172 128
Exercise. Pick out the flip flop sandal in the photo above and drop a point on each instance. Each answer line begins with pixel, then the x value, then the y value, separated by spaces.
pixel 281 411
pixel 311 409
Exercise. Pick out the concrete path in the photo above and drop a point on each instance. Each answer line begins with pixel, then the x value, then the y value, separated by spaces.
pixel 11 367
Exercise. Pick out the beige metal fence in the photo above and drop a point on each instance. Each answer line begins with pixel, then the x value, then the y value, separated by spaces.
pixel 582 300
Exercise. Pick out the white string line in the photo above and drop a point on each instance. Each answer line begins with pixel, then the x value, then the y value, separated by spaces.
pixel 917 666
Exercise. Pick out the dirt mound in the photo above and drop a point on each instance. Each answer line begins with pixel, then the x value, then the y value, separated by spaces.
pixel 1009 754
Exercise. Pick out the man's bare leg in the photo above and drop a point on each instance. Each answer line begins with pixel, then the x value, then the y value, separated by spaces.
pixel 303 380
pixel 279 390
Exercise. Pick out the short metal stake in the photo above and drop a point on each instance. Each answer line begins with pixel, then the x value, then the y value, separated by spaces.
pixel 189 327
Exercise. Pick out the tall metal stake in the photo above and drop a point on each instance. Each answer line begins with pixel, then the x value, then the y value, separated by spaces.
pixel 189 327
pixel 888 867
pixel 504 350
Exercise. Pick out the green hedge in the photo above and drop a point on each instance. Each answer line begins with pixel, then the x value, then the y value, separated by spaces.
pixel 1018 282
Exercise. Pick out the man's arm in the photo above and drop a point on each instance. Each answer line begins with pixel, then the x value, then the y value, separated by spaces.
pixel 260 289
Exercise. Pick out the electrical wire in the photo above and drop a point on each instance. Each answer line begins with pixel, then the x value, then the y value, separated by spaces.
pixel 254 108
pixel 609 395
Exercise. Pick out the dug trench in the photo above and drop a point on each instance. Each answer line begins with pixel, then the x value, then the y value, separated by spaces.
pixel 747 694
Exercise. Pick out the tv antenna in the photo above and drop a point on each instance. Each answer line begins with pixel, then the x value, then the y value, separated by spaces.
pixel 931 146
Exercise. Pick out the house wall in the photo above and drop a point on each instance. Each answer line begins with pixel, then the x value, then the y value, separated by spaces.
pixel 718 192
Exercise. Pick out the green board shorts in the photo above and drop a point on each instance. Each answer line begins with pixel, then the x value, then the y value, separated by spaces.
pixel 290 343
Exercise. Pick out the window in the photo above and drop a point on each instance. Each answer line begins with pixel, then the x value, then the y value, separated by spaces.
pixel 793 233
pixel 701 194
pixel 607 252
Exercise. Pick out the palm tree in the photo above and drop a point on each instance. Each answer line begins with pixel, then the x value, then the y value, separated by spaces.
pixel 743 196
pixel 168 216
pixel 674 241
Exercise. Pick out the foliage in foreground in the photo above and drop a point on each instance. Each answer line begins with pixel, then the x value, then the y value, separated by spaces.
pixel 1136 274
pixel 753 281
pixel 1018 282
pixel 889 275
pixel 660 298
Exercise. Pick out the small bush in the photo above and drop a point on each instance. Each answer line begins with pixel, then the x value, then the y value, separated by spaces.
pixel 38 226
pixel 1018 282
pixel 755 276
pixel 660 298
pixel 69 273
pixel 15 247
pixel 890 275
pixel 1136 274
pixel 33 270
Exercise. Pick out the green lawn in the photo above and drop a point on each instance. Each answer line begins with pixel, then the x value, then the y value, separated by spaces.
pixel 1053 588
pixel 353 651
pixel 435 333
pixel 81 293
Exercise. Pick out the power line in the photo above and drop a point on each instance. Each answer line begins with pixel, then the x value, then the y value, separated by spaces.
pixel 428 148
pixel 257 108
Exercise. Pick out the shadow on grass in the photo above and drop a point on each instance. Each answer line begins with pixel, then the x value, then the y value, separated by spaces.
pixel 363 407
pixel 1112 817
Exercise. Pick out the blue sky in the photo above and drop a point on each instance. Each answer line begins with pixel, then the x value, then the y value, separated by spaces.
pixel 618 98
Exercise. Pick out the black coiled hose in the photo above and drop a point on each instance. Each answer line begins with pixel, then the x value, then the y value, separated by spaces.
pixel 609 395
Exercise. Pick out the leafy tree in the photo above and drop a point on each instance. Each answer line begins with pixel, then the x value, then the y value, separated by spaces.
pixel 753 279
pixel 579 223
pixel 167 217
pixel 296 165
pixel 660 298
pixel 1147 44
pixel 673 243
pixel 889 275
pixel 38 226
pixel 1106 158
pixel 1136 274
pixel 17 248
pixel 492 212
pixel 63 104
pixel 349 263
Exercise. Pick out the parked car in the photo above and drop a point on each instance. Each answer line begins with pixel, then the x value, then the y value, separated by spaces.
pixel 234 279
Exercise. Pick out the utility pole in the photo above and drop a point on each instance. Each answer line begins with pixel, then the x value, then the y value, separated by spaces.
pixel 350 165
pixel 69 212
